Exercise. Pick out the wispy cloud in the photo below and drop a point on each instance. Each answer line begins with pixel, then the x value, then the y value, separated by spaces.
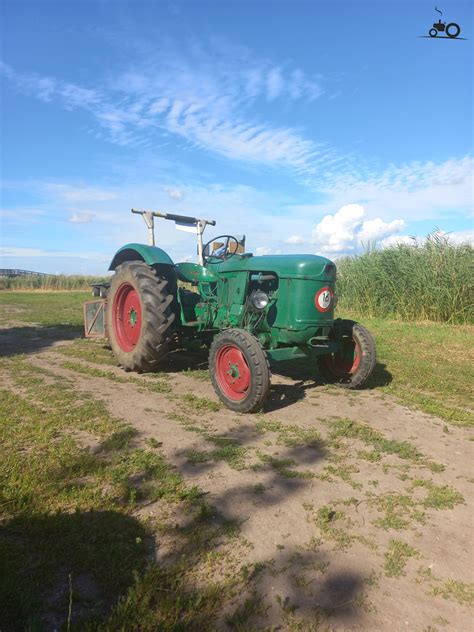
pixel 206 98
pixel 81 218
pixel 78 194
pixel 416 190
pixel 39 252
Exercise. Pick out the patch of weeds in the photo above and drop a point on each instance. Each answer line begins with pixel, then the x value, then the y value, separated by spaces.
pixel 200 403
pixel 326 519
pixel 93 372
pixel 141 474
pixel 252 607
pixel 400 510
pixel 227 449
pixel 456 590
pixel 452 589
pixel 259 488
pixel 88 350
pixel 120 439
pixel 439 496
pixel 187 423
pixel 343 472
pixel 396 558
pixel 198 374
pixel 290 435
pixel 153 443
pixel 373 456
pixel 363 432
pixel 154 386
pixel 363 602
pixel 282 466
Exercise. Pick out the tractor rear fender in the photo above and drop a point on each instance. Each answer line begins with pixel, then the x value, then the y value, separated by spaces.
pixel 151 255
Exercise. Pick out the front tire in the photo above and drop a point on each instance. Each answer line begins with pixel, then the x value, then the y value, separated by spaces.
pixel 352 366
pixel 140 316
pixel 239 370
pixel 433 32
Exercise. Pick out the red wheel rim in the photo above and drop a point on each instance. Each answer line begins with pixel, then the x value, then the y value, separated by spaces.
pixel 346 362
pixel 127 316
pixel 233 373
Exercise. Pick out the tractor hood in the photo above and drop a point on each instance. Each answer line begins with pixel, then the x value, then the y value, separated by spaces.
pixel 301 266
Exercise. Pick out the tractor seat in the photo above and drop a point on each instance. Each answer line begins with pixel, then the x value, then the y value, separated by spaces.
pixel 194 273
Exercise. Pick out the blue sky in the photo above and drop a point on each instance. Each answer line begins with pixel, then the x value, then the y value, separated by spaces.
pixel 309 126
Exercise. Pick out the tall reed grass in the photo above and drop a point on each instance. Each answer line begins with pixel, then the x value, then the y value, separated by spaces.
pixel 429 280
pixel 58 283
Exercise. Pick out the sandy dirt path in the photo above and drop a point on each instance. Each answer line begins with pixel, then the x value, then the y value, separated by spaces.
pixel 319 502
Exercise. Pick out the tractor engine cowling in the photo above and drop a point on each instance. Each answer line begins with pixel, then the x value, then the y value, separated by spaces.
pixel 300 289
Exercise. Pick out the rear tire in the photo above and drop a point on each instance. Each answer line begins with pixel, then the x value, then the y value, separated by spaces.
pixel 352 366
pixel 140 316
pixel 454 31
pixel 239 370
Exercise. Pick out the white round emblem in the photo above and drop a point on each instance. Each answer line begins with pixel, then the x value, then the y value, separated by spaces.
pixel 324 299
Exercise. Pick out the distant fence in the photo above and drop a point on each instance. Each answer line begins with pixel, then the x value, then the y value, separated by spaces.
pixel 10 273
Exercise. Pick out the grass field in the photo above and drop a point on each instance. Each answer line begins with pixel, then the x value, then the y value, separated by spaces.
pixel 137 503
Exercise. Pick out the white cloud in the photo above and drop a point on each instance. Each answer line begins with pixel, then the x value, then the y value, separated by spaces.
pixel 175 194
pixel 394 240
pixel 203 98
pixel 417 190
pixel 274 84
pixel 295 239
pixel 81 218
pixel 74 194
pixel 39 252
pixel 376 229
pixel 461 237
pixel 346 231
pixel 454 237
pixel 262 250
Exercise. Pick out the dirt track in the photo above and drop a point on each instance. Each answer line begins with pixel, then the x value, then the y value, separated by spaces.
pixel 321 512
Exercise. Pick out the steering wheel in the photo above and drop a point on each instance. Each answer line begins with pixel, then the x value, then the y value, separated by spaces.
pixel 225 247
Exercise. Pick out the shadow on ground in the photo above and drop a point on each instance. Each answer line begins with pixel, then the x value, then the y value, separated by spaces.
pixel 46 560
pixel 116 575
pixel 31 339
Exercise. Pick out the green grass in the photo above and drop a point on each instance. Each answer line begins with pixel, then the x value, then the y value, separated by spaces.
pixel 451 589
pixel 425 281
pixel 439 496
pixel 291 435
pixel 397 557
pixel 227 449
pixel 326 519
pixel 200 403
pixel 155 383
pixel 71 481
pixel 43 308
pixel 429 366
pixel 357 430
pixel 284 467
pixel 90 350
pixel 456 591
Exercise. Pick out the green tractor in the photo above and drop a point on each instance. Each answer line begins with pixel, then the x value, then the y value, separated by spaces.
pixel 250 310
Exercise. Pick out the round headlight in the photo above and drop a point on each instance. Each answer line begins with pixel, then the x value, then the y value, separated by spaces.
pixel 259 299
